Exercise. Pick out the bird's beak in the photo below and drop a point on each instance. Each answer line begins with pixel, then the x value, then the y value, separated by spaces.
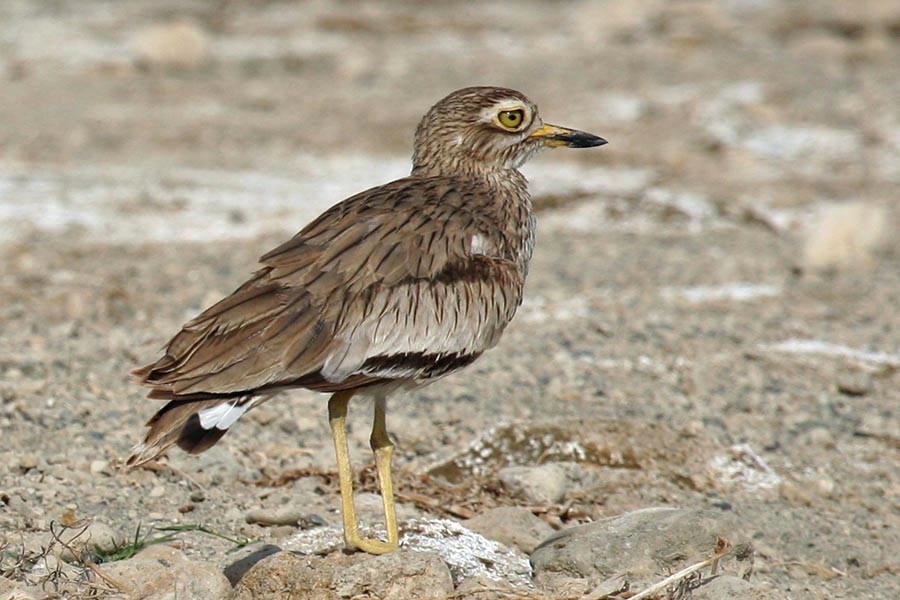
pixel 554 137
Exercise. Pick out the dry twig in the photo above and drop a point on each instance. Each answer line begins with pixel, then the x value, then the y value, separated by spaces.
pixel 723 548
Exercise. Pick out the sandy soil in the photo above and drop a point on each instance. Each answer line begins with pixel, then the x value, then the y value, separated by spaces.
pixel 692 276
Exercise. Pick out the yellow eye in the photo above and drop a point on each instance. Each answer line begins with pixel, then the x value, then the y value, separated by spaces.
pixel 511 119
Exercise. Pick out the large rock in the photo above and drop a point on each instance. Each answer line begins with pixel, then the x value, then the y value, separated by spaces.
pixel 632 445
pixel 396 576
pixel 466 553
pixel 400 576
pixel 728 587
pixel 485 588
pixel 165 578
pixel 641 544
pixel 512 526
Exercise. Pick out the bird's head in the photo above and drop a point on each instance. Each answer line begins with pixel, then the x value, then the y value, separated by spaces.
pixel 487 128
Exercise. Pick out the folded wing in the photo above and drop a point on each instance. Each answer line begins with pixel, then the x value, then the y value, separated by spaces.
pixel 401 282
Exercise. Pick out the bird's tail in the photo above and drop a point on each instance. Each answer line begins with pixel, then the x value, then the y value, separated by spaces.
pixel 194 425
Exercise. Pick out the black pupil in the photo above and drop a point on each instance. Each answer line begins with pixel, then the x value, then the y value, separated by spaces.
pixel 513 116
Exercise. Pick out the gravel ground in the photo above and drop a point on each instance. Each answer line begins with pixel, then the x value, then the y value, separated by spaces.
pixel 711 321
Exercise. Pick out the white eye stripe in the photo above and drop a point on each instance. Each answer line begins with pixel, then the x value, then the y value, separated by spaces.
pixel 492 114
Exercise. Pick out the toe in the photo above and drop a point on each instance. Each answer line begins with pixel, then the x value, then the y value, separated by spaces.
pixel 372 546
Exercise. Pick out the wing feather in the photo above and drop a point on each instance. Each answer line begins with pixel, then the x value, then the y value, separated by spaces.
pixel 391 272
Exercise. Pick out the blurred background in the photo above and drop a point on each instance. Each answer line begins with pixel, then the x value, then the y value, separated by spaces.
pixel 758 107
pixel 728 266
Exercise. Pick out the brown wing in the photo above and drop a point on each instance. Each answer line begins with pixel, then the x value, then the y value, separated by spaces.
pixel 384 285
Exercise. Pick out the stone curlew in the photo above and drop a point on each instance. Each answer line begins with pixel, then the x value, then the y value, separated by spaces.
pixel 388 290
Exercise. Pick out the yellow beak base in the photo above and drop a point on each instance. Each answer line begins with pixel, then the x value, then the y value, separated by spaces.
pixel 555 136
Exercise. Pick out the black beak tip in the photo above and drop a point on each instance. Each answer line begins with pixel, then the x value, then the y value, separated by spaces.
pixel 581 139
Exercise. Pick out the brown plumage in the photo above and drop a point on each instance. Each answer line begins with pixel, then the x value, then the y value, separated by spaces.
pixel 391 288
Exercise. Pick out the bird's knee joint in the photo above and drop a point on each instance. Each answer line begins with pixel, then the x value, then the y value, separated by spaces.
pixel 381 444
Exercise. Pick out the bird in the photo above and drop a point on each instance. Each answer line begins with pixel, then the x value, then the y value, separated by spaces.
pixel 386 291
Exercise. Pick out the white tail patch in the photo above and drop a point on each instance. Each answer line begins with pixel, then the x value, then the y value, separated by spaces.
pixel 223 416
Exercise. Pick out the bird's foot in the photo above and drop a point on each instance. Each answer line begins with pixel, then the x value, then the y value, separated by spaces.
pixel 371 546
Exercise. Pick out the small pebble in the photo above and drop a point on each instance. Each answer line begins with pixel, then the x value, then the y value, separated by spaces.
pixel 795 494
pixel 512 526
pixel 825 486
pixel 311 521
pixel 541 484
pixel 289 426
pixel 282 531
pixel 158 492
pixel 693 428
pixel 854 383
pixel 47 494
pixel 28 462
pixel 282 515
pixel 819 436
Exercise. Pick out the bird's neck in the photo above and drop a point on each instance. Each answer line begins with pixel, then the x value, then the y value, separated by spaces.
pixel 496 176
pixel 509 206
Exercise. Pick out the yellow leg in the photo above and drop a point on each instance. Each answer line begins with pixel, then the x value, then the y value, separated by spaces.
pixel 337 417
pixel 384 451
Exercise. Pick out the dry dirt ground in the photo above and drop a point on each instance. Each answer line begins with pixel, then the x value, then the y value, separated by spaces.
pixel 721 282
